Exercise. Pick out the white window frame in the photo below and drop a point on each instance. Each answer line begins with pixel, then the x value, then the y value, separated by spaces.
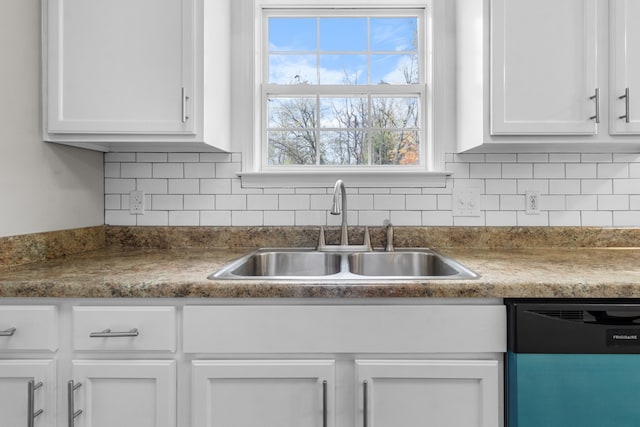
pixel 249 128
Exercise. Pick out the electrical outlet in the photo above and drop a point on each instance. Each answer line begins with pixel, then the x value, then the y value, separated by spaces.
pixel 136 202
pixel 532 203
pixel 466 201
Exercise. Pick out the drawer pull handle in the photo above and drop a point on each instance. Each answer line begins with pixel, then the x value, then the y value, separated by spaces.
pixel 32 414
pixel 73 414
pixel 8 332
pixel 596 98
pixel 108 334
pixel 626 117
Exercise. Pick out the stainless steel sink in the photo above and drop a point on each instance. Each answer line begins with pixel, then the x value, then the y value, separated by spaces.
pixel 304 264
pixel 288 263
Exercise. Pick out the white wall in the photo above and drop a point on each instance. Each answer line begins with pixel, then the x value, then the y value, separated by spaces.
pixel 43 187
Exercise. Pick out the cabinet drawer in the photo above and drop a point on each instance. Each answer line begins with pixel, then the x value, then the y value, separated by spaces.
pixel 124 328
pixel 30 328
pixel 345 329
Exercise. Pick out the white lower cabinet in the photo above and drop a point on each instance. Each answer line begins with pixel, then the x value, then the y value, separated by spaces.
pixel 123 393
pixel 27 393
pixel 443 393
pixel 249 393
pixel 179 363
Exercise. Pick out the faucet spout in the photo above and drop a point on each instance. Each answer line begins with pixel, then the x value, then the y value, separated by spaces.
pixel 341 208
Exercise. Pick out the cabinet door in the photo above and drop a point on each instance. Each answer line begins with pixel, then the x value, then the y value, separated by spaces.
pixel 269 393
pixel 428 393
pixel 18 402
pixel 625 67
pixel 125 393
pixel 119 66
pixel 543 67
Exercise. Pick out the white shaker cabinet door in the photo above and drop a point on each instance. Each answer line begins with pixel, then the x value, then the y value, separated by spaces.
pixel 625 67
pixel 543 67
pixel 123 393
pixel 119 66
pixel 22 404
pixel 443 393
pixel 266 393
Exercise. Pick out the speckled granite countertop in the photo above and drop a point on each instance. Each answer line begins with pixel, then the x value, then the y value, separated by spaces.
pixel 135 272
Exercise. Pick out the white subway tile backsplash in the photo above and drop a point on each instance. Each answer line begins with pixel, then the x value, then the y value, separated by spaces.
pixel 261 202
pixel 119 185
pixel 231 202
pixel 517 170
pixel 184 186
pixel 247 218
pixel 600 189
pixel 135 170
pixel 199 202
pixel 164 202
pixel 200 170
pixel 565 219
pixel 154 218
pixel 548 170
pixel 152 186
pixel 215 218
pixel 501 219
pixel 184 218
pixel 597 218
pixel 485 170
pixel 626 219
pixel 421 203
pixel 581 170
pixel 168 170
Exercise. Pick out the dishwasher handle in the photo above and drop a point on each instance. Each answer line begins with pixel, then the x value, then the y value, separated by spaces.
pixel 604 317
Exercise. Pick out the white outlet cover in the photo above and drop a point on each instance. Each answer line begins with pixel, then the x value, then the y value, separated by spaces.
pixel 136 202
pixel 466 201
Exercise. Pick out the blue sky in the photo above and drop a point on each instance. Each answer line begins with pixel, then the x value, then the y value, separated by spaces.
pixel 295 44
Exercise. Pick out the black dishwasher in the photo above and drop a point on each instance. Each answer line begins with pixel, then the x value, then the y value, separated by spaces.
pixel 573 363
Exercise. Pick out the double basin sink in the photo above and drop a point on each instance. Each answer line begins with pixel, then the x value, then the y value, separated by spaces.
pixel 312 265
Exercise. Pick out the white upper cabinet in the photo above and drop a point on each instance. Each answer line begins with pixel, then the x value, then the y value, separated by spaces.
pixel 130 74
pixel 625 67
pixel 543 67
pixel 547 75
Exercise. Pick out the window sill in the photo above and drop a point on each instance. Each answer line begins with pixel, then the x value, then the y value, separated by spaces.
pixel 352 179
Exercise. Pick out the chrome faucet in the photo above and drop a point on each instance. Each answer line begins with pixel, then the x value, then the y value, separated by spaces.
pixel 389 247
pixel 341 208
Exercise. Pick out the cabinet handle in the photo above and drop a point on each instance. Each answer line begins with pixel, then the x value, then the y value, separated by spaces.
pixel 185 98
pixel 8 332
pixel 596 98
pixel 324 403
pixel 365 403
pixel 73 414
pixel 108 334
pixel 32 414
pixel 626 105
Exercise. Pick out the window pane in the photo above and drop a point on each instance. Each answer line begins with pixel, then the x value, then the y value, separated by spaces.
pixel 394 34
pixel 343 148
pixel 394 69
pixel 343 112
pixel 395 147
pixel 343 34
pixel 343 69
pixel 398 112
pixel 291 113
pixel 293 34
pixel 292 148
pixel 293 69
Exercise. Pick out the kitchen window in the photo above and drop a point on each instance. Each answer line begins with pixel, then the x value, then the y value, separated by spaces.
pixel 341 91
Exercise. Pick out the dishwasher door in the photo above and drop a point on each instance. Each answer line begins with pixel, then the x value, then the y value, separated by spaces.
pixel 573 364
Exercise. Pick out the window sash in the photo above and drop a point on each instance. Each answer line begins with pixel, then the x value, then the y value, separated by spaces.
pixel 356 90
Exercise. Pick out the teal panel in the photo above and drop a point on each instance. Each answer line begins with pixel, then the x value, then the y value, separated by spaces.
pixel 581 390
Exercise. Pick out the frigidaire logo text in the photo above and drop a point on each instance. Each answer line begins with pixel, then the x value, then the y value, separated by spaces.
pixel 625 337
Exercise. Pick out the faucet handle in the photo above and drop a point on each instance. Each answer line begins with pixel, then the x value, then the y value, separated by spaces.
pixel 321 242
pixel 367 239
